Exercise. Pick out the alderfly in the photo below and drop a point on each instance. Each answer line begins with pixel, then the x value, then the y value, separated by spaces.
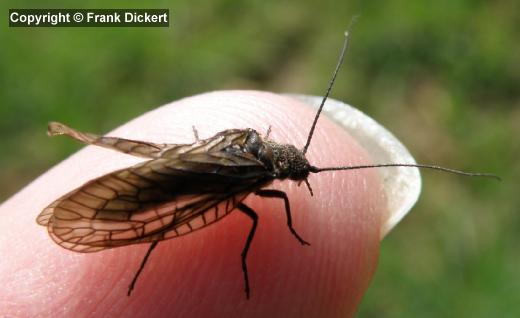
pixel 205 181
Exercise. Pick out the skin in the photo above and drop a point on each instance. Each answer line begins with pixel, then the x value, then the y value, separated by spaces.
pixel 200 275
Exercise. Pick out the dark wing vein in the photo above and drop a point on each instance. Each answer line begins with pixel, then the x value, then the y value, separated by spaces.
pixel 154 200
pixel 149 149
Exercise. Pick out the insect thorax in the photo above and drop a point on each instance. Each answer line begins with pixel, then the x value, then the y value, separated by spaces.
pixel 283 161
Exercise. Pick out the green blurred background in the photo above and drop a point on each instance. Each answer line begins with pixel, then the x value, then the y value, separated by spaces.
pixel 443 76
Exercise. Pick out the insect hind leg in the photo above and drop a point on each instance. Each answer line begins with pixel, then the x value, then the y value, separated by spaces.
pixel 271 193
pixel 143 262
pixel 195 133
pixel 251 214
pixel 268 132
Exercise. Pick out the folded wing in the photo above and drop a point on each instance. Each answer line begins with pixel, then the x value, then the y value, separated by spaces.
pixel 153 200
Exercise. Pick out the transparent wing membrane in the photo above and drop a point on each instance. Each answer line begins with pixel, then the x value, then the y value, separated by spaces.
pixel 149 149
pixel 182 189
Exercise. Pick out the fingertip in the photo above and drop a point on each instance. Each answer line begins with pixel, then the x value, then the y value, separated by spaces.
pixel 342 220
pixel 202 269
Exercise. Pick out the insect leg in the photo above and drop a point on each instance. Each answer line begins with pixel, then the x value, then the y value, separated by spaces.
pixel 252 214
pixel 270 193
pixel 195 133
pixel 131 287
pixel 131 147
pixel 268 132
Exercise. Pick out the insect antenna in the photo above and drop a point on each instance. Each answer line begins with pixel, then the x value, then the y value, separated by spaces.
pixel 331 83
pixel 314 169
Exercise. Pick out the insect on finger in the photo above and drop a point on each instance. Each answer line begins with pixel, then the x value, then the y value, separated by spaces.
pixel 182 188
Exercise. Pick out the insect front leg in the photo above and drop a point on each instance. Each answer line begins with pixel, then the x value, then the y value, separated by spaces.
pixel 270 193
pixel 252 214
pixel 132 284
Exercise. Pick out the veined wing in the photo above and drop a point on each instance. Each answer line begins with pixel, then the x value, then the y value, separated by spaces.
pixel 149 149
pixel 153 200
pixel 187 214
